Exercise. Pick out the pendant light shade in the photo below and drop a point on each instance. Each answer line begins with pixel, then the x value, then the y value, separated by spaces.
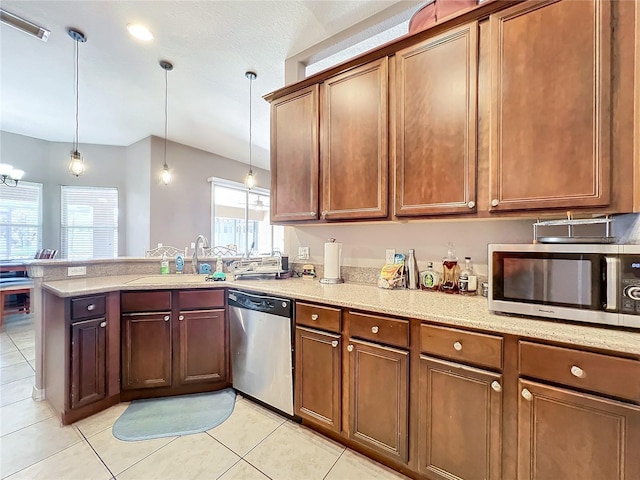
pixel 250 179
pixel 76 162
pixel 165 175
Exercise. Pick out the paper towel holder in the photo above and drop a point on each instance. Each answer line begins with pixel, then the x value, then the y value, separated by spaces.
pixel 331 281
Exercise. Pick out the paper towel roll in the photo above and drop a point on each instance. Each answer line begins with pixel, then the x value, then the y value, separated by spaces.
pixel 332 257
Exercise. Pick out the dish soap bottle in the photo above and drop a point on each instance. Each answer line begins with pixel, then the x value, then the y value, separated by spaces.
pixel 164 264
pixel 450 271
pixel 431 278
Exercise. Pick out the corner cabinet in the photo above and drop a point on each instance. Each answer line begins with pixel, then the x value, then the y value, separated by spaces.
pixel 436 118
pixel 551 112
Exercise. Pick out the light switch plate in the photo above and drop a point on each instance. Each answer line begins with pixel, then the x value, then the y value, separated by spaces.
pixel 303 253
pixel 389 255
pixel 76 271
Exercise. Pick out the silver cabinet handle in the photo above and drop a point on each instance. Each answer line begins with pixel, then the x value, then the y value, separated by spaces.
pixel 457 346
pixel 314 316
pixel 577 372
pixel 166 318
pixel 324 214
pixel 91 306
pixel 471 204
pixel 181 317
pixel 334 344
pixel 496 386
pixel 526 394
pixel 313 214
pixel 374 329
pixel 103 324
pixel 350 348
pixel 494 202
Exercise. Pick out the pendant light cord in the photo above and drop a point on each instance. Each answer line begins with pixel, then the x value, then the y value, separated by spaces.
pixel 76 85
pixel 250 122
pixel 166 114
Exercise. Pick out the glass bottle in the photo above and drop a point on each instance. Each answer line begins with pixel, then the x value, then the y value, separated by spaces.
pixel 468 281
pixel 431 278
pixel 413 277
pixel 450 271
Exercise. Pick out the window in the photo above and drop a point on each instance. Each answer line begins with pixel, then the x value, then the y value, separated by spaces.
pixel 89 222
pixel 20 220
pixel 241 218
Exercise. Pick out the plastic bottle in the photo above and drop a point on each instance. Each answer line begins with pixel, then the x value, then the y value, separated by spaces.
pixel 164 264
pixel 468 281
pixel 413 277
pixel 450 271
pixel 431 278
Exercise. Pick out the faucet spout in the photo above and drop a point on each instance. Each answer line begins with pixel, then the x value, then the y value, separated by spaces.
pixel 195 263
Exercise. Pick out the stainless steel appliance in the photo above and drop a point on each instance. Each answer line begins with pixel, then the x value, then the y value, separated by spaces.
pixel 261 348
pixel 586 283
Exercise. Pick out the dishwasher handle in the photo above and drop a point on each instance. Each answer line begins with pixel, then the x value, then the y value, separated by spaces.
pixel 261 303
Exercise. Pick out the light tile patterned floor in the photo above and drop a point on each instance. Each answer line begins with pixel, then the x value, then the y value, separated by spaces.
pixel 254 443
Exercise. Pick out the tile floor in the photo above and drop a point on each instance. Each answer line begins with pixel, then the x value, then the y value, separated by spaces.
pixel 254 443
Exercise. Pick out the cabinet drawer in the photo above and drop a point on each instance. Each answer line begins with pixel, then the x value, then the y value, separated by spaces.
pixel 619 377
pixel 325 318
pixel 158 301
pixel 87 307
pixel 201 299
pixel 466 347
pixel 391 331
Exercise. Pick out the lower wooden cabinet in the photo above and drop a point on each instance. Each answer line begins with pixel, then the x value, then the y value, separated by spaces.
pixel 379 398
pixel 88 361
pixel 459 421
pixel 201 352
pixel 318 392
pixel 563 434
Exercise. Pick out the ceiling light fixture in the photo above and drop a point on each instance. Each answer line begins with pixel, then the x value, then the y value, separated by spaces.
pixel 140 32
pixel 10 174
pixel 24 25
pixel 76 163
pixel 165 175
pixel 250 179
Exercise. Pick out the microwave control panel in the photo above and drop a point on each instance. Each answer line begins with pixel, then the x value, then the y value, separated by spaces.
pixel 630 284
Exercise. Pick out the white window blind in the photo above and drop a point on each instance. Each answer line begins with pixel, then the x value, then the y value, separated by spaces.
pixel 89 222
pixel 20 220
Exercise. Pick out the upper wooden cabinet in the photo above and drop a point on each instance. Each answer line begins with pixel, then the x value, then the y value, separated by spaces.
pixel 294 156
pixel 551 105
pixel 354 130
pixel 436 118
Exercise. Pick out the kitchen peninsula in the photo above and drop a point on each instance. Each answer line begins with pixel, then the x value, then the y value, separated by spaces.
pixel 395 374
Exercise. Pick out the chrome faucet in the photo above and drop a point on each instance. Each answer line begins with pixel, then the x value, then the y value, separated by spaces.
pixel 194 261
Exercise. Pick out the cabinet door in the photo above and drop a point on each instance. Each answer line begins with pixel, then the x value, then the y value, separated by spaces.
pixel 378 398
pixel 202 354
pixel 318 382
pixel 88 361
pixel 551 105
pixel 459 421
pixel 575 436
pixel 146 350
pixel 354 154
pixel 436 118
pixel 294 156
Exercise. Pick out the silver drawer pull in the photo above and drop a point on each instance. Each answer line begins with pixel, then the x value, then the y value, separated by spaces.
pixel 350 348
pixel 577 372
pixel 91 306
pixel 314 316
pixel 334 344
pixel 457 346
pixel 103 324
pixel 181 317
pixel 496 386
pixel 374 329
pixel 166 318
pixel 526 394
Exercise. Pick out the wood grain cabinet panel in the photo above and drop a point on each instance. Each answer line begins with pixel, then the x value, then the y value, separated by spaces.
pixel 318 392
pixel 575 436
pixel 436 118
pixel 202 356
pixel 317 316
pixel 354 155
pixel 459 421
pixel 88 361
pixel 551 105
pixel 295 156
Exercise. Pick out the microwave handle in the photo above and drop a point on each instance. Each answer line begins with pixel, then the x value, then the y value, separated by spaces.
pixel 612 277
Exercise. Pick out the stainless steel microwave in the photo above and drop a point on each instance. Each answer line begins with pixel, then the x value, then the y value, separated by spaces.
pixel 584 283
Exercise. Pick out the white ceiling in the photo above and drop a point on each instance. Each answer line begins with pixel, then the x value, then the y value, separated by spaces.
pixel 210 43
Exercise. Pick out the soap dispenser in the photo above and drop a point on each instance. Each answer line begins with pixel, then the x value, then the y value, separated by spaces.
pixel 164 264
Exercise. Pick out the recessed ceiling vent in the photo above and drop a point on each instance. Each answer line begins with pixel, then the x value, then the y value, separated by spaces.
pixel 24 25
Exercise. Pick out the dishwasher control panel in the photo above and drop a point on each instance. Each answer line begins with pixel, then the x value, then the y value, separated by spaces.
pixel 261 303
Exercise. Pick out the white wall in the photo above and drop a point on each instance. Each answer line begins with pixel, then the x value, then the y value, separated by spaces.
pixel 138 204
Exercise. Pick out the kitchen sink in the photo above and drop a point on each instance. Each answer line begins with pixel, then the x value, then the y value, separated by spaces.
pixel 168 279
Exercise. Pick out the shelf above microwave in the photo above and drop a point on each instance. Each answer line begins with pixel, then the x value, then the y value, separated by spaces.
pixel 571 224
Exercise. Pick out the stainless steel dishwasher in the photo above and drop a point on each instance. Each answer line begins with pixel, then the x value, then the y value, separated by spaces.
pixel 261 348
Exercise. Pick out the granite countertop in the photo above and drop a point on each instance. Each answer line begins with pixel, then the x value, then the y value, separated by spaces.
pixel 454 310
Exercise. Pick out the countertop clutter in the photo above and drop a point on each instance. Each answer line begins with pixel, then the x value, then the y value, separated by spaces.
pixel 456 310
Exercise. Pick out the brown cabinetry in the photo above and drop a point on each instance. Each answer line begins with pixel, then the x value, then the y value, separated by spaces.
pixel 436 118
pixel 88 361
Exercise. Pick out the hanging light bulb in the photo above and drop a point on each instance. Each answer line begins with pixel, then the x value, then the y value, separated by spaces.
pixel 76 162
pixel 165 175
pixel 250 179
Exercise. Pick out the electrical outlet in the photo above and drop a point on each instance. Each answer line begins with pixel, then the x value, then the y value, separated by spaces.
pixel 303 253
pixel 389 255
pixel 76 271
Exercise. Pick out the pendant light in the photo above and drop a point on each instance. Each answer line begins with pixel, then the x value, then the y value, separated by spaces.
pixel 165 175
pixel 250 179
pixel 76 162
